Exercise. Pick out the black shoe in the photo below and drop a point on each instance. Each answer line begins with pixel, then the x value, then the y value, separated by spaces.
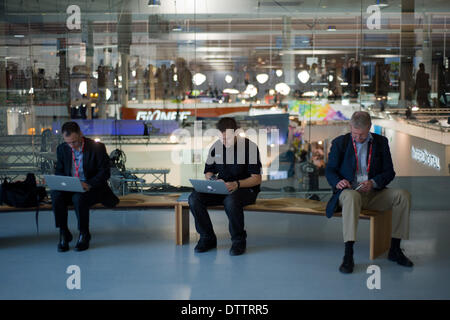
pixel 237 248
pixel 204 245
pixel 64 238
pixel 83 242
pixel 397 255
pixel 347 265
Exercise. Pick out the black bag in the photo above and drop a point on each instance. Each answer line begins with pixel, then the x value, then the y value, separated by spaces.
pixel 23 194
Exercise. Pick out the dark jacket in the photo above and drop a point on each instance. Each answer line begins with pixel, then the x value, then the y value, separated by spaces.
pixel 96 168
pixel 342 165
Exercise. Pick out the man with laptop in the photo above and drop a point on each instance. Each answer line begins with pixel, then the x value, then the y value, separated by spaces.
pixel 84 168
pixel 236 162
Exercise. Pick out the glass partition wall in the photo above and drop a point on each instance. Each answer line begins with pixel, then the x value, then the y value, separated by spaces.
pixel 134 74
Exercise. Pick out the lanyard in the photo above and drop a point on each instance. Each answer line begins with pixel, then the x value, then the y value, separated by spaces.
pixel 77 167
pixel 356 155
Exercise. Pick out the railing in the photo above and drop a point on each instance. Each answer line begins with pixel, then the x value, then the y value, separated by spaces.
pixel 399 113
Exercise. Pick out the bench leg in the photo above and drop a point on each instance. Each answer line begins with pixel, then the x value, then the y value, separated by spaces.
pixel 181 224
pixel 380 234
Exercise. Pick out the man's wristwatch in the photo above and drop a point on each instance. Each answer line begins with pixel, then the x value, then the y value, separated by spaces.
pixel 238 183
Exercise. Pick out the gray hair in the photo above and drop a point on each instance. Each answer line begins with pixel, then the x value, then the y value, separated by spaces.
pixel 361 120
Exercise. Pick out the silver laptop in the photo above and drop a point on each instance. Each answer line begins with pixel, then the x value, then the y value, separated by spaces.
pixel 64 183
pixel 209 186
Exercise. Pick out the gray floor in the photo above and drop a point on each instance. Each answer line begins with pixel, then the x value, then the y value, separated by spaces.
pixel 133 256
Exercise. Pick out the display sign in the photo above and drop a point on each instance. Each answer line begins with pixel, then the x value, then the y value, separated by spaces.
pixel 321 110
pixel 426 158
pixel 161 115
pixel 203 111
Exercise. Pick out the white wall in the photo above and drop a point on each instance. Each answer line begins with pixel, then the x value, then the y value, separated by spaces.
pixel 404 165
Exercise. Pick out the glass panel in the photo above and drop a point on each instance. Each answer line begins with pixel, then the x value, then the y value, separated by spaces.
pixel 131 74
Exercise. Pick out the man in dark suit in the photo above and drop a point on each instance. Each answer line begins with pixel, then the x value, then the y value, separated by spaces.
pixel 359 168
pixel 80 157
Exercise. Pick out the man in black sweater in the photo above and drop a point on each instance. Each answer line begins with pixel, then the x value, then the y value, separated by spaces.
pixel 86 159
pixel 237 162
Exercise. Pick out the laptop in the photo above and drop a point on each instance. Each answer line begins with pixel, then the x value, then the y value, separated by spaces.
pixel 209 186
pixel 64 183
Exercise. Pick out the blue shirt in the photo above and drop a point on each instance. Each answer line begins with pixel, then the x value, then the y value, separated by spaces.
pixel 362 174
pixel 79 161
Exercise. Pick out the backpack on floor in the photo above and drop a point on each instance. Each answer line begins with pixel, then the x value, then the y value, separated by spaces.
pixel 23 194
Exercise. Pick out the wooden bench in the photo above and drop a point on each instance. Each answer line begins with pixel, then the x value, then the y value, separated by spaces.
pixel 128 202
pixel 380 222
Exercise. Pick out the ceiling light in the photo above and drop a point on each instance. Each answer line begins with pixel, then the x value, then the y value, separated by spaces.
pixel 283 88
pixel 82 88
pixel 303 76
pixel 309 94
pixel 198 78
pixel 279 73
pixel 231 91
pixel 262 78
pixel 251 90
pixel 228 78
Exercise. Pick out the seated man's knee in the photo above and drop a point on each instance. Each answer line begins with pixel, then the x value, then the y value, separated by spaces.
pixel 193 198
pixel 231 201
pixel 78 198
pixel 350 195
pixel 56 195
pixel 403 194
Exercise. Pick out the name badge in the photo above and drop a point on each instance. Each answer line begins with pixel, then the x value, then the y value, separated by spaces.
pixel 361 178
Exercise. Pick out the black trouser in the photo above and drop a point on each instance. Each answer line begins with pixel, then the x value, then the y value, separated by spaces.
pixel 81 202
pixel 233 203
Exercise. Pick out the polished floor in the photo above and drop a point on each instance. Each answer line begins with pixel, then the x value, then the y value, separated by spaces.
pixel 133 256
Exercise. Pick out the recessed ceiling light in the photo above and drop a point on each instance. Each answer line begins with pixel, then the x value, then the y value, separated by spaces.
pixel 262 78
